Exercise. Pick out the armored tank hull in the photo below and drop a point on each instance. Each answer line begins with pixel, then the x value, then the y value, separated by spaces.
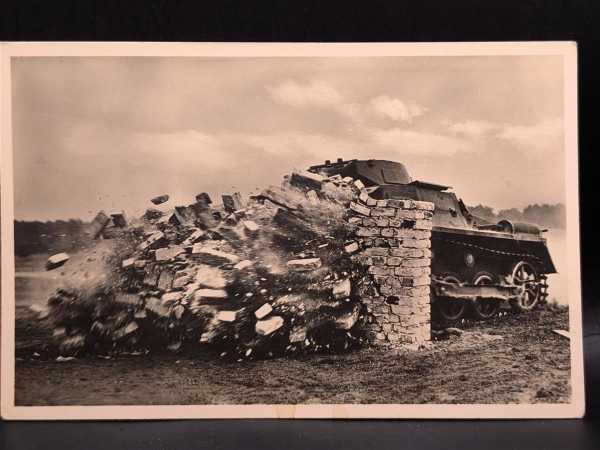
pixel 478 268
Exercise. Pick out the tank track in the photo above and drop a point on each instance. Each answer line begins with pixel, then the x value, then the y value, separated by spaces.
pixel 501 254
pixel 494 251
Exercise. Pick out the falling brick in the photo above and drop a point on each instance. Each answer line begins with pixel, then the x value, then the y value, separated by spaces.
pixel 204 199
pixel 268 326
pixel 227 316
pixel 263 311
pixel 250 227
pixel 97 225
pixel 128 263
pixel 301 265
pixel 232 203
pixel 119 220
pixel 160 199
pixel 56 261
pixel 210 294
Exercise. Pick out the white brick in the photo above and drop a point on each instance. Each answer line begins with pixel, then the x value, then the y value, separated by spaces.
pixel 263 311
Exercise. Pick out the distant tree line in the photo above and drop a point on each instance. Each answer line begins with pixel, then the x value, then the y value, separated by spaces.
pixel 544 215
pixel 49 237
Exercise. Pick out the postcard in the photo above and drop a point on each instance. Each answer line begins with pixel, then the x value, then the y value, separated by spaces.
pixel 282 230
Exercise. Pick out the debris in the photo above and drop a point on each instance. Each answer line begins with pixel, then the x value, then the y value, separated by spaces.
pixel 175 347
pixel 64 358
pixel 214 257
pixel 160 199
pixel 128 263
pixel 305 179
pixel 210 277
pixel 297 334
pixel 312 197
pixel 171 297
pixel 168 253
pixel 357 207
pixel 268 326
pixel 185 215
pixel 127 299
pixel 216 275
pixel 178 311
pixel 98 224
pixel 227 316
pixel 562 333
pixel 243 264
pixel 153 214
pixel 125 331
pixel 359 185
pixel 204 199
pixel 210 294
pixel 342 288
pixel 153 241
pixel 454 331
pixel 351 247
pixel 156 306
pixel 250 227
pixel 347 320
pixel 304 264
pixel 194 237
pixel 181 282
pixel 263 311
pixel 41 310
pixel 56 261
pixel 119 220
pixel 59 332
pixel 72 344
pixel 232 203
pixel 277 197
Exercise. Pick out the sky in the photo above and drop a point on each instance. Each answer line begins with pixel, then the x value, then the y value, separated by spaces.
pixel 110 133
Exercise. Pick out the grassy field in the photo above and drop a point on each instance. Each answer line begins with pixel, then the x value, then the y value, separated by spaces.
pixel 517 360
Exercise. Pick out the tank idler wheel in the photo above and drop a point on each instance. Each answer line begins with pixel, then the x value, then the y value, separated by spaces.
pixel 485 308
pixel 524 274
pixel 451 310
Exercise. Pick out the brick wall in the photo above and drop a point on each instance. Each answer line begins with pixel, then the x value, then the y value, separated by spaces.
pixel 395 238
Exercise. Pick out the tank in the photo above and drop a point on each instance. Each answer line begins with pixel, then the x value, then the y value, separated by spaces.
pixel 478 268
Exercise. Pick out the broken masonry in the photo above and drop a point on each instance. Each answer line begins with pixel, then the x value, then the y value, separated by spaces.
pixel 313 265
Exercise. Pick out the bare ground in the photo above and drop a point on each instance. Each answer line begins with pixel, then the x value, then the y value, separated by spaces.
pixel 516 360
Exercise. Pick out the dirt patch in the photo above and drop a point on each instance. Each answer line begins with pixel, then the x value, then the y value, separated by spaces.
pixel 514 360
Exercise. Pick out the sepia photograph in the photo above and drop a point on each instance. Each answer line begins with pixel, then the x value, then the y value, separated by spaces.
pixel 290 231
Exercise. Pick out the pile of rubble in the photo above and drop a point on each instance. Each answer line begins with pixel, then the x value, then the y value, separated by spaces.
pixel 269 275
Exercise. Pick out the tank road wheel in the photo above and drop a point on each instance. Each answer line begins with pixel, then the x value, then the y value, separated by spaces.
pixel 524 274
pixel 451 310
pixel 485 308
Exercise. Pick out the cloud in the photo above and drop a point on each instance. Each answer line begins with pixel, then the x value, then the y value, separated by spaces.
pixel 541 137
pixel 472 127
pixel 396 109
pixel 419 143
pixel 298 95
pixel 322 95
